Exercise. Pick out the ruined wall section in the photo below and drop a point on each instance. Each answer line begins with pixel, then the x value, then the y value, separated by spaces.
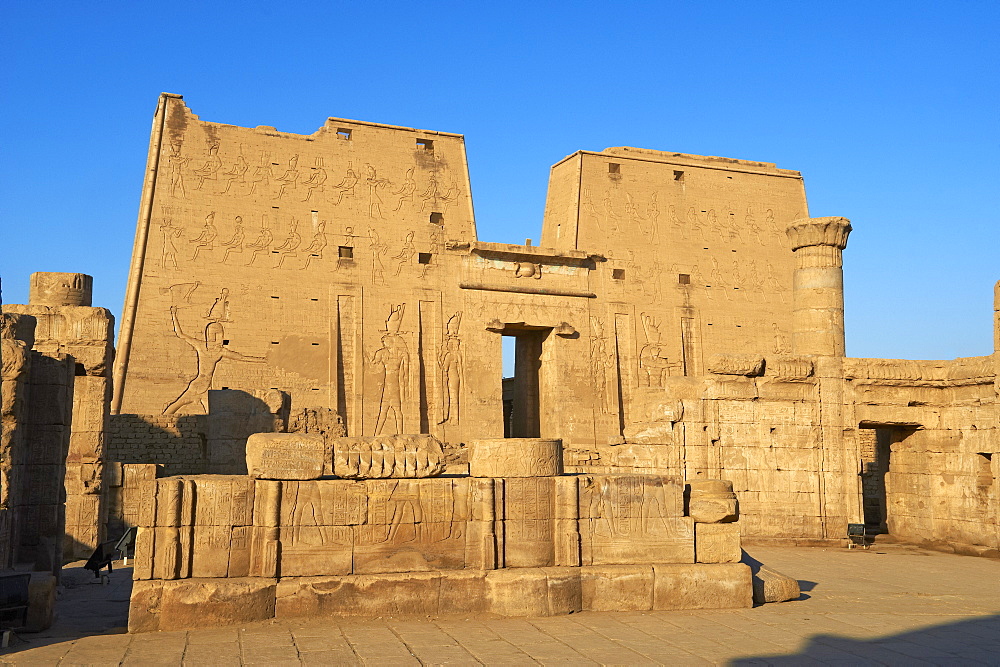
pixel 942 416
pixel 310 264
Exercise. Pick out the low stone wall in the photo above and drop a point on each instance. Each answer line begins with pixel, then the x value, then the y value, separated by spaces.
pixel 229 549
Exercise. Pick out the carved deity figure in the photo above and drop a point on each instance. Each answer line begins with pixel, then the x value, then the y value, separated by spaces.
pixel 263 242
pixel 177 164
pixel 392 362
pixel 291 243
pixel 234 244
pixel 374 183
pixel 207 237
pixel 210 169
pixel 378 251
pixel 346 185
pixel 406 254
pixel 237 174
pixel 405 193
pixel 210 350
pixel 317 245
pixel 316 179
pixel 654 365
pixel 451 363
pixel 288 179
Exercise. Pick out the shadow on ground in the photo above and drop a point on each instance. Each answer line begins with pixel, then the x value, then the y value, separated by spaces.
pixel 84 607
pixel 972 641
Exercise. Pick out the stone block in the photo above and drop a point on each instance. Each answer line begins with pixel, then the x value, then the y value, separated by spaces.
pixel 518 592
pixel 564 593
pixel 717 542
pixel 293 456
pixel 399 456
pixel 515 457
pixel 712 501
pixel 617 587
pixel 464 592
pixel 196 603
pixel 772 586
pixel 702 586
pixel 41 601
pixel 407 593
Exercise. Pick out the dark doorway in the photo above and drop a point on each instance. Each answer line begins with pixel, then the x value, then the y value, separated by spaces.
pixel 876 453
pixel 521 393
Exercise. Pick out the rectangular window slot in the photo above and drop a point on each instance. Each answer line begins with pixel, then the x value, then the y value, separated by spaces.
pixel 678 175
pixel 425 145
pixel 614 168
pixel 225 387
pixel 437 218
pixel 684 278
pixel 315 343
pixel 345 252
pixel 275 208
pixel 343 134
pixel 225 342
pixel 314 299
pixel 275 297
pixel 423 258
pixel 274 342
pixel 618 274
pixel 729 177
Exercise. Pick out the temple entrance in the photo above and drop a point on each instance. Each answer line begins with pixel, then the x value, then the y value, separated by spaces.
pixel 521 392
pixel 876 452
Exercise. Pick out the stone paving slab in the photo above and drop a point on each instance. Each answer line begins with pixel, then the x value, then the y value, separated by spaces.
pixel 895 605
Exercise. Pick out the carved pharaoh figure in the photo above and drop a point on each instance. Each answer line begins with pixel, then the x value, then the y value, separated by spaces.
pixel 210 350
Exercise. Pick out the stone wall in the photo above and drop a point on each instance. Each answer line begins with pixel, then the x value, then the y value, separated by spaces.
pixel 178 443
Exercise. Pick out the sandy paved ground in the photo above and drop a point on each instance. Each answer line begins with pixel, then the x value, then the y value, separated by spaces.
pixel 894 605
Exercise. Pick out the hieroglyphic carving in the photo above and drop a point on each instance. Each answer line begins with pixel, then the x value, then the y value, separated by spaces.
pixel 261 177
pixel 290 245
pixel 374 184
pixel 209 169
pixel 654 365
pixel 316 245
pixel 235 244
pixel 316 179
pixel 452 365
pixel 346 186
pixel 392 363
pixel 601 362
pixel 210 350
pixel 237 174
pixel 378 251
pixel 168 254
pixel 289 179
pixel 262 244
pixel 405 193
pixel 207 237
pixel 177 164
pixel 406 253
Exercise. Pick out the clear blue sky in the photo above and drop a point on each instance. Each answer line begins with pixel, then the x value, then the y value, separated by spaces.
pixel 889 109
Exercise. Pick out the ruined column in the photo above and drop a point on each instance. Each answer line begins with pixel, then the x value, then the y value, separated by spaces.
pixel 818 285
pixel 15 360
pixel 68 325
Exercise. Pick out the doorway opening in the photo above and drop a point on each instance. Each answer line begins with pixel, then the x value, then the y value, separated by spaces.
pixel 522 356
pixel 877 441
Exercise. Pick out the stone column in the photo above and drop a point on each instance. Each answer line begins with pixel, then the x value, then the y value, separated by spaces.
pixel 68 325
pixel 818 286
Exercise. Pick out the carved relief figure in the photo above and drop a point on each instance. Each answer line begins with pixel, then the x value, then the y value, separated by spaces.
pixel 210 169
pixel 207 237
pixel 349 238
pixel 263 242
pixel 316 179
pixel 237 174
pixel 219 310
pixel 653 213
pixel 374 183
pixel 654 365
pixel 601 363
pixel 261 177
pixel 169 255
pixel 210 350
pixel 406 254
pixel 378 251
pixel 405 193
pixel 292 241
pixel 177 164
pixel 451 363
pixel 289 179
pixel 392 362
pixel 317 245
pixel 346 185
pixel 234 244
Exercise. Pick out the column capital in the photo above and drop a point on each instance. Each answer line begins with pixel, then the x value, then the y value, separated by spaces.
pixel 830 231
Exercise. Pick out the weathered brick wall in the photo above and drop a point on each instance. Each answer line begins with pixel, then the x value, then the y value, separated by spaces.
pixel 179 443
